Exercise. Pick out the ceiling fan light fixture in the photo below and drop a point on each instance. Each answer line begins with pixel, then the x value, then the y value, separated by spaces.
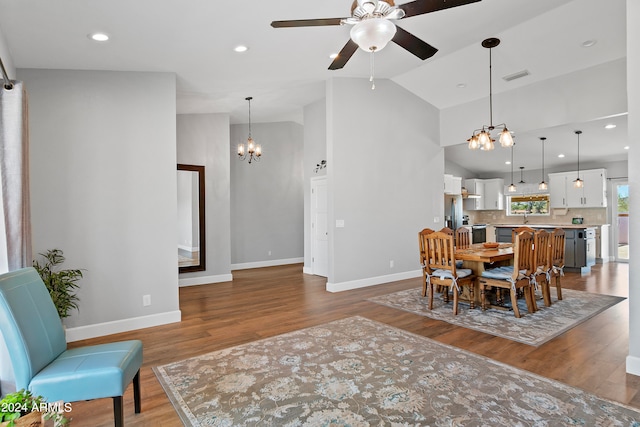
pixel 373 34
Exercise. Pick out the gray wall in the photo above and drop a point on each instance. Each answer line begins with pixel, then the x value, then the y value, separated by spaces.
pixel 203 139
pixel 383 153
pixel 103 189
pixel 267 197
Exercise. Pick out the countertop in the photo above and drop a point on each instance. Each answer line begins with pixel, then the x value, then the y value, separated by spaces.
pixel 573 226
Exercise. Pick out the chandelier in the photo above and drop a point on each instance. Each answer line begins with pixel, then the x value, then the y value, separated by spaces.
pixel 253 151
pixel 481 138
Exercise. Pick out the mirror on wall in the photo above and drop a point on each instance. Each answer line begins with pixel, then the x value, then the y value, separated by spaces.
pixel 191 236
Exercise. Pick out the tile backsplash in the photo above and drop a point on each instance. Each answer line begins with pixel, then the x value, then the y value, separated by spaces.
pixel 591 216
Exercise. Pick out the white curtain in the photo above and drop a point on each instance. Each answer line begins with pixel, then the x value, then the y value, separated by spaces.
pixel 15 237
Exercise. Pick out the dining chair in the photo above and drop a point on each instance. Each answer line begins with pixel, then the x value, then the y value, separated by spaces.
pixel 463 237
pixel 441 269
pixel 515 277
pixel 542 256
pixel 519 229
pixel 43 364
pixel 423 258
pixel 557 259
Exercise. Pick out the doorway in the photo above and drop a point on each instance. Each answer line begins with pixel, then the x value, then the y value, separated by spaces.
pixel 621 221
pixel 319 227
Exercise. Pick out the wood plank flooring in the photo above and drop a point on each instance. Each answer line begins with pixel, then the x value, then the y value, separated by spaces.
pixel 265 302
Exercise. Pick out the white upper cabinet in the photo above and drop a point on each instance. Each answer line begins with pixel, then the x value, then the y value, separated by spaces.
pixel 593 194
pixel 452 184
pixel 490 192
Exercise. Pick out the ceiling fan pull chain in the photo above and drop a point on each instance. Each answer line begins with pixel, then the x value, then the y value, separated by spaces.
pixel 373 65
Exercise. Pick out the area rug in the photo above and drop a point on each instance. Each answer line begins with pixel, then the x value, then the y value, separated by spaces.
pixel 533 329
pixel 357 372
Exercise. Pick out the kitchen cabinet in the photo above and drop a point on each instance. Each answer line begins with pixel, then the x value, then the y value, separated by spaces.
pixel 491 192
pixel 562 193
pixel 452 184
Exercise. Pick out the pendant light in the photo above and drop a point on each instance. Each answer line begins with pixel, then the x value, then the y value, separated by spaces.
pixel 543 185
pixel 481 138
pixel 521 179
pixel 512 188
pixel 253 151
pixel 578 183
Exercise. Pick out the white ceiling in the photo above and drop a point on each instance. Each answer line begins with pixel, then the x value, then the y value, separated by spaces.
pixel 285 69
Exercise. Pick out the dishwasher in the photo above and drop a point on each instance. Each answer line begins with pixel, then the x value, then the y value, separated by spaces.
pixel 478 233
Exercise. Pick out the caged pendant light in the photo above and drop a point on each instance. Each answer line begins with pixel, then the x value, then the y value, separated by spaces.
pixel 512 188
pixel 543 185
pixel 578 183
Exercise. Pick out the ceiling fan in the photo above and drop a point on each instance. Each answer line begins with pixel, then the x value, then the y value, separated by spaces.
pixel 373 29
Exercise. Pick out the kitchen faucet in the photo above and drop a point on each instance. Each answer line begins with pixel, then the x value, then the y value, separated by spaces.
pixel 526 220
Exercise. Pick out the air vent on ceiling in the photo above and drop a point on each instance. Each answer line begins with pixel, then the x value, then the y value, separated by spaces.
pixel 517 75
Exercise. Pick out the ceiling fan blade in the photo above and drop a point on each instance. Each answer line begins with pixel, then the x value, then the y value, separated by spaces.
pixel 419 48
pixel 419 7
pixel 345 54
pixel 307 22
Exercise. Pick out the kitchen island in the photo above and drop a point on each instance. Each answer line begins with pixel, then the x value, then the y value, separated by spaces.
pixel 580 243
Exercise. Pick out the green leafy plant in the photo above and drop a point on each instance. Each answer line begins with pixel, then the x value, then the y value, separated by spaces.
pixel 62 284
pixel 22 402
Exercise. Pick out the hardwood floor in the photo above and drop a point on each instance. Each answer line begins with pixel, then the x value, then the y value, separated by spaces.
pixel 264 302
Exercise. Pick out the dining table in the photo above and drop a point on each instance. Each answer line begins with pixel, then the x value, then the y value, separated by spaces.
pixel 478 257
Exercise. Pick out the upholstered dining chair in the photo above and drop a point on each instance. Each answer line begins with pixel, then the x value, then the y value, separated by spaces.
pixel 557 259
pixel 463 237
pixel 542 257
pixel 515 277
pixel 441 269
pixel 41 361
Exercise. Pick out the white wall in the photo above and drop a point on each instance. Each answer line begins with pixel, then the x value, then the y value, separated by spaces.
pixel 383 154
pixel 315 150
pixel 267 197
pixel 103 189
pixel 633 92
pixel 203 139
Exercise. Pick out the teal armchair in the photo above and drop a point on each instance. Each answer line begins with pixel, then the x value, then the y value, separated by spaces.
pixel 41 361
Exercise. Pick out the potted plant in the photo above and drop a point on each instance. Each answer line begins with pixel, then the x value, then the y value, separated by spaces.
pixel 61 284
pixel 24 409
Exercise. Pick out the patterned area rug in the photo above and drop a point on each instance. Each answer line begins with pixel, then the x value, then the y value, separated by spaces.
pixel 357 372
pixel 533 329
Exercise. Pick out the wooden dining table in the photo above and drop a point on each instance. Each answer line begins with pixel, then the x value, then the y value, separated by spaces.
pixel 477 257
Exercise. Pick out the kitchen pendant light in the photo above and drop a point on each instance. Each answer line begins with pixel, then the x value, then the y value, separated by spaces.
pixel 543 185
pixel 512 188
pixel 253 151
pixel 578 183
pixel 481 138
pixel 521 179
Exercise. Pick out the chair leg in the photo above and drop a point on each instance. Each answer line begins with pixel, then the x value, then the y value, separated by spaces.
pixel 136 393
pixel 483 303
pixel 430 292
pixel 424 285
pixel 558 287
pixel 118 411
pixel 514 302
pixel 455 301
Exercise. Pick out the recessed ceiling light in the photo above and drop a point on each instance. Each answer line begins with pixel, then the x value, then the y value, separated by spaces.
pixel 560 155
pixel 333 56
pixel 99 37
pixel 610 126
pixel 589 43
pixel 626 147
pixel 241 48
pixel 507 162
pixel 461 85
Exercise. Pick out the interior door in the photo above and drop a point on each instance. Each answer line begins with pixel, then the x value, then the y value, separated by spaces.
pixel 319 228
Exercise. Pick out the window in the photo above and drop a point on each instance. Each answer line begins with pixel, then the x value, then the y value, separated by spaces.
pixel 533 204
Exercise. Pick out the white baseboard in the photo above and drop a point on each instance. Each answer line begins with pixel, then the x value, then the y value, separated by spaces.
pixel 124 325
pixel 270 263
pixel 633 365
pixel 372 281
pixel 205 280
pixel 307 270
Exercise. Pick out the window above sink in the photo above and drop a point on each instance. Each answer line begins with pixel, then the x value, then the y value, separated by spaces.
pixel 528 205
